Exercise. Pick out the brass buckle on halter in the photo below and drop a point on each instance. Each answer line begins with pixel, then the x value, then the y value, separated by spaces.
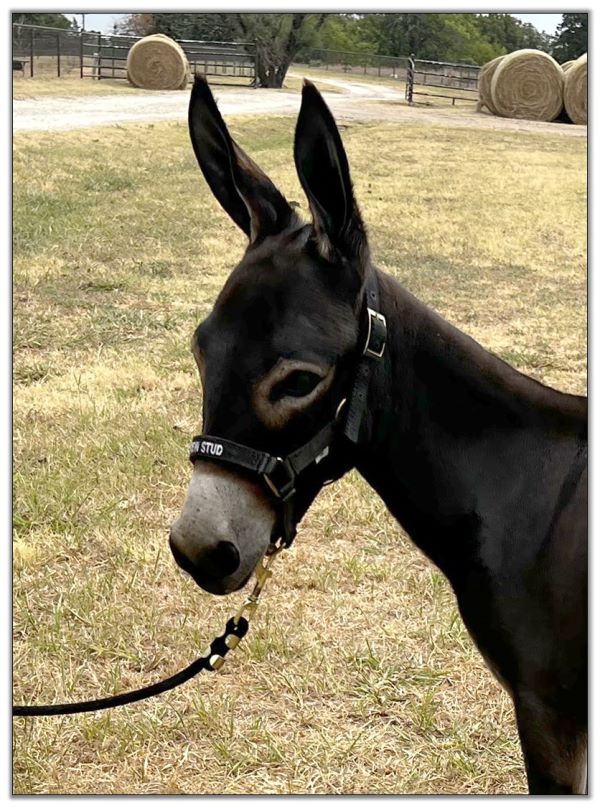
pixel 281 484
pixel 376 335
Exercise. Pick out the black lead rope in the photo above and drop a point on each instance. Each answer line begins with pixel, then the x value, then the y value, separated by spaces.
pixel 279 475
pixel 218 650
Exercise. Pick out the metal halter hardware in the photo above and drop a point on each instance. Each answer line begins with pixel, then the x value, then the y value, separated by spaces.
pixel 280 473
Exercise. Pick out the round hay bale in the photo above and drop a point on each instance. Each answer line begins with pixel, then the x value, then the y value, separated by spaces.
pixel 528 84
pixel 575 91
pixel 157 62
pixel 566 65
pixel 484 84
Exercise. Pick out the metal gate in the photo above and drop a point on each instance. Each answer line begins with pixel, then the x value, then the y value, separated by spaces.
pixel 42 51
pixel 458 81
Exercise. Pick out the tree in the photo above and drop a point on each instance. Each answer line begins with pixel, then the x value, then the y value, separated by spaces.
pixel 509 34
pixel 346 32
pixel 136 24
pixel 571 37
pixel 211 27
pixel 50 20
pixel 278 39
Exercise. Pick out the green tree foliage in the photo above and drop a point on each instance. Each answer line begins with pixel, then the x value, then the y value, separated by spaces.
pixel 510 34
pixel 572 37
pixel 346 32
pixel 455 37
pixel 51 20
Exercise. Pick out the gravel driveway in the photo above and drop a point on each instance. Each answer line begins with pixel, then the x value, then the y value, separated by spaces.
pixel 357 101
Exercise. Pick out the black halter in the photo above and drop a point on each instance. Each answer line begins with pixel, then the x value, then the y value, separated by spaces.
pixel 280 473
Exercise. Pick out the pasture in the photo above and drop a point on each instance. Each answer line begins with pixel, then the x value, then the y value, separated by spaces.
pixel 357 675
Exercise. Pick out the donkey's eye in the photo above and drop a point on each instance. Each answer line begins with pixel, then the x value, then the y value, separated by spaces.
pixel 297 384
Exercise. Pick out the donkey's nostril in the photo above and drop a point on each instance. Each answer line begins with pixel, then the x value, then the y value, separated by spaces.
pixel 217 560
pixel 226 558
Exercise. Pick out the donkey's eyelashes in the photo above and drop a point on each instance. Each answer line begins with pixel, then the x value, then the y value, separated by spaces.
pixel 297 384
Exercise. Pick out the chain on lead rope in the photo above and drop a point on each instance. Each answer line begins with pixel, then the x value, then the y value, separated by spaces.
pixel 246 611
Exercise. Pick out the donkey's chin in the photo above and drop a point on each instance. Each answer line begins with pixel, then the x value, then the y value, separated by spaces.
pixel 222 586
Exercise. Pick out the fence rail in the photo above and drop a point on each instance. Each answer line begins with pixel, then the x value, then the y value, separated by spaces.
pixel 458 80
pixel 355 62
pixel 41 51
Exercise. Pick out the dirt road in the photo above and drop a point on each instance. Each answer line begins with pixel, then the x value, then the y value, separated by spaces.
pixel 356 101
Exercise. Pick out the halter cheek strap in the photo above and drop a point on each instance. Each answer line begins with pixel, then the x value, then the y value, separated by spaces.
pixel 280 473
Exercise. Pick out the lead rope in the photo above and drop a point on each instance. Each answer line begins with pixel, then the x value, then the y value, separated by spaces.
pixel 212 659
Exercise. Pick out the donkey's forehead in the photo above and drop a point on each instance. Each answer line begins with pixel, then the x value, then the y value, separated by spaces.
pixel 281 296
pixel 274 278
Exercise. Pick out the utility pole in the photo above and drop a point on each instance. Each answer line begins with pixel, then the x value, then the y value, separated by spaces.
pixel 83 22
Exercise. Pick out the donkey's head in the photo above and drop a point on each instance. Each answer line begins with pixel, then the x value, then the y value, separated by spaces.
pixel 277 352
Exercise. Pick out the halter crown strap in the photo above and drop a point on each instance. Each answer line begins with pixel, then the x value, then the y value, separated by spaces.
pixel 372 351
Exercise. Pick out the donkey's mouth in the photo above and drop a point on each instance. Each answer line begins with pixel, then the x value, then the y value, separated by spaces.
pixel 220 586
pixel 214 585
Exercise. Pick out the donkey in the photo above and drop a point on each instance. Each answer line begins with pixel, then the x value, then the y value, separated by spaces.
pixel 313 362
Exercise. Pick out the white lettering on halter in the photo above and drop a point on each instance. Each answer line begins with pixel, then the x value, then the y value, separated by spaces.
pixel 208 447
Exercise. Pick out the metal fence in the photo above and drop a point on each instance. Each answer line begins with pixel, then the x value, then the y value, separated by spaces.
pixel 447 80
pixel 365 64
pixel 41 51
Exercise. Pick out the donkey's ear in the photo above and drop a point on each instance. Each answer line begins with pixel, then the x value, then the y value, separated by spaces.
pixel 244 191
pixel 323 170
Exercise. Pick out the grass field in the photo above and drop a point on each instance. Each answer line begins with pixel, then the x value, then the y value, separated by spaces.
pixel 357 675
pixel 68 86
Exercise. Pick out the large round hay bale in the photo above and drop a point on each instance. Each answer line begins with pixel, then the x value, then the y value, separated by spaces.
pixel 528 84
pixel 484 84
pixel 157 62
pixel 575 91
pixel 566 65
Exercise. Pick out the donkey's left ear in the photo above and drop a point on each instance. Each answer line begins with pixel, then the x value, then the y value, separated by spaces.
pixel 323 170
pixel 242 188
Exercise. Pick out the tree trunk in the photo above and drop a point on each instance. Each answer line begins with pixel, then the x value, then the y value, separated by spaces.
pixel 274 53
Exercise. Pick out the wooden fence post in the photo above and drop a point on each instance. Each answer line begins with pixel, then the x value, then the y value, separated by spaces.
pixel 31 52
pixel 410 78
pixel 58 55
pixel 81 34
pixel 255 64
pixel 99 55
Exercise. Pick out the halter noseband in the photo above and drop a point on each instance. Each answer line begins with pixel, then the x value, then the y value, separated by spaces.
pixel 280 473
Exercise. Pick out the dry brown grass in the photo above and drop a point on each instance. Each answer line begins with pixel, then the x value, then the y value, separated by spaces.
pixel 357 675
pixel 43 86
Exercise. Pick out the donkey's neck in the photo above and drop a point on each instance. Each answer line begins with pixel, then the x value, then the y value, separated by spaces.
pixel 448 421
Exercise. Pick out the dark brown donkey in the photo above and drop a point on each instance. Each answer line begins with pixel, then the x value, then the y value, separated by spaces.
pixel 485 468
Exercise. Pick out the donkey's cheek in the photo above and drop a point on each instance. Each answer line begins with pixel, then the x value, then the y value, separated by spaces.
pixel 220 510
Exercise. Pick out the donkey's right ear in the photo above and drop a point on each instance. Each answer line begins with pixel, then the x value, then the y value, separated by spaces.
pixel 244 191
pixel 323 170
